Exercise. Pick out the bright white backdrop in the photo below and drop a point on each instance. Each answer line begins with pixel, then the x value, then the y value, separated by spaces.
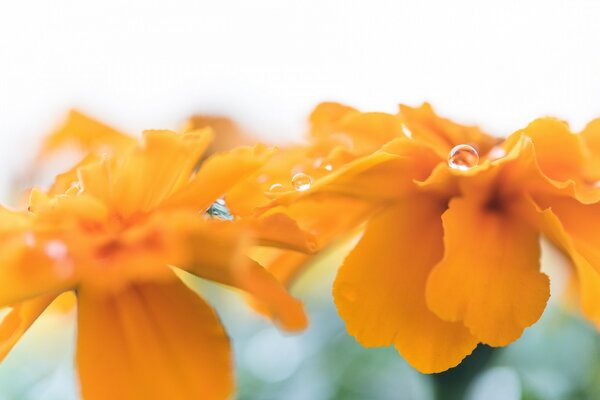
pixel 148 64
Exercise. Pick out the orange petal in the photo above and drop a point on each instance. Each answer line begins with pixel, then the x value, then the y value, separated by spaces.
pixel 27 269
pixel 442 134
pixel 591 138
pixel 325 118
pixel 489 277
pixel 227 133
pixel 559 152
pixel 580 222
pixel 151 341
pixel 218 174
pixel 588 277
pixel 18 321
pixel 85 133
pixel 217 256
pixel 279 230
pixel 149 174
pixel 369 131
pixel 380 289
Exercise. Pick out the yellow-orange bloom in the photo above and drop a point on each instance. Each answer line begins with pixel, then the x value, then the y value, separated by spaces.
pixel 114 234
pixel 451 256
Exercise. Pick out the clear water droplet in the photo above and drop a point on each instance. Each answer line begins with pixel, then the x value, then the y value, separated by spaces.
pixel 277 188
pixel 301 182
pixel 219 210
pixel 463 157
pixel 328 167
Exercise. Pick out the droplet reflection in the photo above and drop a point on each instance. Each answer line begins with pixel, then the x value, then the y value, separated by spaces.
pixel 301 182
pixel 463 157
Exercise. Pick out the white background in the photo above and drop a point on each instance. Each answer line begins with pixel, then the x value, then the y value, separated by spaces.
pixel 148 64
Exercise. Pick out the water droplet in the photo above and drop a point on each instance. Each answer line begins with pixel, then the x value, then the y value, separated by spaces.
pixel 495 153
pixel 219 210
pixel 463 157
pixel 328 167
pixel 277 188
pixel 301 182
pixel 407 131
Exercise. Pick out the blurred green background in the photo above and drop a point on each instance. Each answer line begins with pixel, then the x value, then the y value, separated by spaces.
pixel 556 359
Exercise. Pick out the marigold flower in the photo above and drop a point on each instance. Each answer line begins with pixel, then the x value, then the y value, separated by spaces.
pixel 451 256
pixel 121 224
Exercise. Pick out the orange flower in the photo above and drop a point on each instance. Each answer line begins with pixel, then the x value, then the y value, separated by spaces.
pixel 451 257
pixel 115 236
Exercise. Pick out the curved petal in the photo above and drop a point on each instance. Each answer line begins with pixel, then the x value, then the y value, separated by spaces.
pixel 218 253
pixel 591 138
pixel 148 174
pixel 18 321
pixel 380 289
pixel 85 133
pixel 588 277
pixel 489 277
pixel 227 133
pixel 28 268
pixel 151 341
pixel 325 118
pixel 217 175
pixel 442 134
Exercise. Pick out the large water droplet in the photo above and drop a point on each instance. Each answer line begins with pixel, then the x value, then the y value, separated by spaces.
pixel 219 210
pixel 301 182
pixel 463 157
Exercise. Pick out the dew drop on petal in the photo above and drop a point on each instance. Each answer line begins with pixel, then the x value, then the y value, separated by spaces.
pixel 301 182
pixel 277 188
pixel 328 167
pixel 463 157
pixel 219 210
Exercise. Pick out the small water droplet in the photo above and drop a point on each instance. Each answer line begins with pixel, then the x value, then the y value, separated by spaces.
pixel 496 153
pixel 219 210
pixel 301 182
pixel 328 167
pixel 463 157
pixel 277 188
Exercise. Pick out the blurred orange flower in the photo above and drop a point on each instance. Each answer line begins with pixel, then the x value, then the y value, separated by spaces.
pixel 123 221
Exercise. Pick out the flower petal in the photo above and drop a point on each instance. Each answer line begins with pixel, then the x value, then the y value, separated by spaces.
pixel 489 277
pixel 86 133
pixel 151 341
pixel 18 321
pixel 442 134
pixel 380 289
pixel 219 255
pixel 150 173
pixel 218 174
pixel 588 277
